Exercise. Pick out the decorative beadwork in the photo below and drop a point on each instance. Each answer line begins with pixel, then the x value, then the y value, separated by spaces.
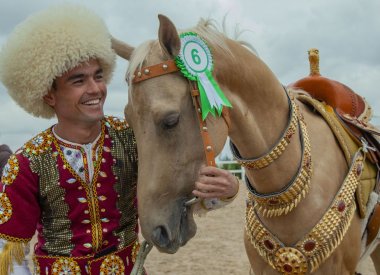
pixel 65 266
pixel 10 171
pixel 71 181
pixel 103 174
pixel 290 261
pixel 277 150
pixel 14 239
pixel 36 265
pixel 39 144
pixel 5 208
pixel 90 188
pixel 126 182
pixel 50 187
pixel 281 203
pixel 320 242
pixel 116 123
pixel 135 251
pixel 53 185
pixel 112 264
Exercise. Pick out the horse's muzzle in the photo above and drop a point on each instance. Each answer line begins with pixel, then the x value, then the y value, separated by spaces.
pixel 168 238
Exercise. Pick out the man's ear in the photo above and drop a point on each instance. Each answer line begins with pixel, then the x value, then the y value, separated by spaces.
pixel 49 99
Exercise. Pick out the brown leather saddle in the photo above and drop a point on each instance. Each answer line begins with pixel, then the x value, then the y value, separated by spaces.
pixel 354 114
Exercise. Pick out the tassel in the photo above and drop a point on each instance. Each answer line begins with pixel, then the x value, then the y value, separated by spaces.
pixel 12 251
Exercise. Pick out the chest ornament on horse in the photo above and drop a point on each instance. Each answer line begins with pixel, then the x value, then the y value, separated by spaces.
pixel 316 246
pixel 284 201
pixel 276 151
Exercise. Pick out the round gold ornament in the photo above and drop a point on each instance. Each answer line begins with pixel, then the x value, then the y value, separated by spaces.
pixel 112 265
pixel 66 266
pixel 289 261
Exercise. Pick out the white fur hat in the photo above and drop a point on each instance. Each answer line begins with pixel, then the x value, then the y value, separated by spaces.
pixel 48 44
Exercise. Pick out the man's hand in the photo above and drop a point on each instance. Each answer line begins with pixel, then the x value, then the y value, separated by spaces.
pixel 215 183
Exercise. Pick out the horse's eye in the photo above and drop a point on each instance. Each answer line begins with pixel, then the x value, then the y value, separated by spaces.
pixel 171 121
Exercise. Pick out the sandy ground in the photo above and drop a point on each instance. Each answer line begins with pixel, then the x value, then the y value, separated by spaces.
pixel 217 249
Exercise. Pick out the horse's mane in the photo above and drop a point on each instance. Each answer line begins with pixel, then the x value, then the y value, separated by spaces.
pixel 207 29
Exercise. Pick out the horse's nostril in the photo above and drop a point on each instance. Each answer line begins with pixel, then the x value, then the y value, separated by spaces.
pixel 160 236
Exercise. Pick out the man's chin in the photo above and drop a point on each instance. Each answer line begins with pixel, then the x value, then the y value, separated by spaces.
pixel 94 117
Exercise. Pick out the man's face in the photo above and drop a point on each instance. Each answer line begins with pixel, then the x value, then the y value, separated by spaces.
pixel 79 94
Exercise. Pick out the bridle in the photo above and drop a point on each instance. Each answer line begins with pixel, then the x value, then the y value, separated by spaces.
pixel 168 67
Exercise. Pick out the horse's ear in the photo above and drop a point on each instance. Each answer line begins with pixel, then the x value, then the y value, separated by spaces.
pixel 168 36
pixel 122 49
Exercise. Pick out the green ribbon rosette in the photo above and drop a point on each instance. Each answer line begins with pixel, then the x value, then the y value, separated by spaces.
pixel 195 62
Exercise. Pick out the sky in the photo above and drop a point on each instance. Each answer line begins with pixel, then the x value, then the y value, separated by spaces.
pixel 346 32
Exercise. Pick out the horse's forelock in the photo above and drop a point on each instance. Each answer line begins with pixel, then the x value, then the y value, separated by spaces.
pixel 138 56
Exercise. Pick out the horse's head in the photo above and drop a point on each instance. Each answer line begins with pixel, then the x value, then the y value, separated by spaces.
pixel 161 113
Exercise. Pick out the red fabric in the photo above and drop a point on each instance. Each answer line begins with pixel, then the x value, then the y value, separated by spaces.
pixel 64 200
pixel 88 265
pixel 23 195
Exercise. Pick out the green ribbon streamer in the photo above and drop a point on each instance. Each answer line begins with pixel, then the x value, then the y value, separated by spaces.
pixel 217 94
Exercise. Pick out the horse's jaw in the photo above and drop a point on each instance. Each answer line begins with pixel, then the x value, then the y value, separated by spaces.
pixel 170 233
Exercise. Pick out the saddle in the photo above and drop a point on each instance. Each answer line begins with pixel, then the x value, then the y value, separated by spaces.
pixel 352 113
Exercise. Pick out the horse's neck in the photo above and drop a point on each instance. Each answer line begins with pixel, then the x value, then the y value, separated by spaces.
pixel 259 116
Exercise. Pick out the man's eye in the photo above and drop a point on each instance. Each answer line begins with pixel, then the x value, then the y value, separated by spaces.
pixel 99 76
pixel 79 81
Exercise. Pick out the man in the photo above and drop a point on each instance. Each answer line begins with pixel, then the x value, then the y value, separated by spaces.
pixel 75 183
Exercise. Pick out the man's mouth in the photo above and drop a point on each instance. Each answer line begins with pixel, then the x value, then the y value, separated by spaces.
pixel 92 102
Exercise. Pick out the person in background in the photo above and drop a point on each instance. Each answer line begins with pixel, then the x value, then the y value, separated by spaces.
pixel 5 152
pixel 75 182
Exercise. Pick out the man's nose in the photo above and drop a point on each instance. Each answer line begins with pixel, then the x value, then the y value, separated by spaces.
pixel 94 86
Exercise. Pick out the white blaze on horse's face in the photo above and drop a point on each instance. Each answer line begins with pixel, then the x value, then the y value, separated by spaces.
pixel 170 149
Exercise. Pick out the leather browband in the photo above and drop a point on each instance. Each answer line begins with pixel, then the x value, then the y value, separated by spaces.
pixel 166 67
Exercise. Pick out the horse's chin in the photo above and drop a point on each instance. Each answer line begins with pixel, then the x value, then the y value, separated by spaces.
pixel 168 239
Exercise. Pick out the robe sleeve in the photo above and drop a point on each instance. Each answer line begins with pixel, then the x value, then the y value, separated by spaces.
pixel 19 207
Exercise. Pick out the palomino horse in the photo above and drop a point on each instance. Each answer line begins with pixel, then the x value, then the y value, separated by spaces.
pixel 297 237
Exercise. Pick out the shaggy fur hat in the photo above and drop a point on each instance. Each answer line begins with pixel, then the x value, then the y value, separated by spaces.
pixel 48 44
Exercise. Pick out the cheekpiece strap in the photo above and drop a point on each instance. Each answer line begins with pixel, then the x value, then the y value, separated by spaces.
pixel 207 145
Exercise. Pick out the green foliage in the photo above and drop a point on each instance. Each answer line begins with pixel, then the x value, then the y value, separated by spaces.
pixel 229 166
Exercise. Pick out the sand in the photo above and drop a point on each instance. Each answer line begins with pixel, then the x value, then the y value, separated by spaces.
pixel 217 249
